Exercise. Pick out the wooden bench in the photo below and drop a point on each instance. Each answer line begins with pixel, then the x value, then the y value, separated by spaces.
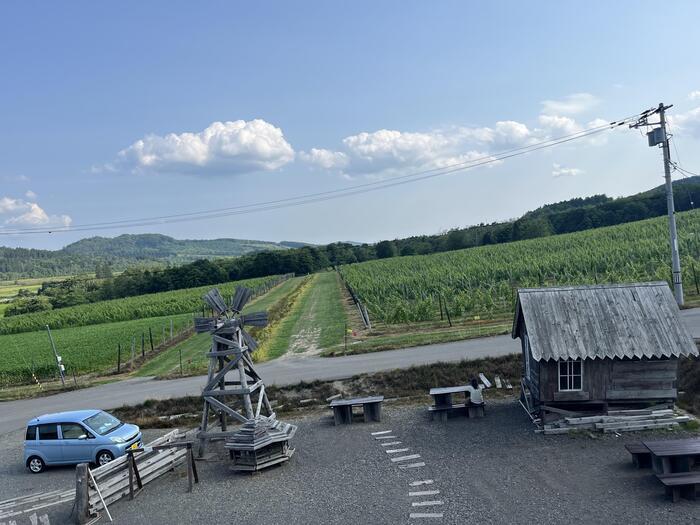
pixel 371 408
pixel 681 484
pixel 641 457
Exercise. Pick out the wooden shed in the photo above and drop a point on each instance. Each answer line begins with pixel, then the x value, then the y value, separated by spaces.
pixel 599 345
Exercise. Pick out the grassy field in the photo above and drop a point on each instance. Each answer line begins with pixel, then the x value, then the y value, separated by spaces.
pixel 482 281
pixel 139 307
pixel 9 290
pixel 90 348
pixel 194 348
pixel 306 315
pixel 316 320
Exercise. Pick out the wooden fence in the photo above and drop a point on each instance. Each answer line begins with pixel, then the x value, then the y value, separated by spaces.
pixel 125 476
pixel 361 308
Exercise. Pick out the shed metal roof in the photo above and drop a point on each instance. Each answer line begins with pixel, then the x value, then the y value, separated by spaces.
pixel 623 321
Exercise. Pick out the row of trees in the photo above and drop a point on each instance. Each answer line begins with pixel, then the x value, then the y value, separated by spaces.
pixel 564 217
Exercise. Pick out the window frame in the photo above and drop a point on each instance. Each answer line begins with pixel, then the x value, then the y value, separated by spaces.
pixel 85 431
pixel 42 438
pixel 569 375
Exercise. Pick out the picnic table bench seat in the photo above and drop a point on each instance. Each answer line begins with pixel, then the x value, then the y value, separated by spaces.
pixel 641 457
pixel 681 484
pixel 371 408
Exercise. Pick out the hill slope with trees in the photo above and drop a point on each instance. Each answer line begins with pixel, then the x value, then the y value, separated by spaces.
pixel 141 251
pixel 122 252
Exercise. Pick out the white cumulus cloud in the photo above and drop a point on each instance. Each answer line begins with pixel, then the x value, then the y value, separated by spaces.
pixel 385 151
pixel 222 148
pixel 324 158
pixel 24 213
pixel 686 123
pixel 8 205
pixel 246 146
pixel 558 126
pixel 694 95
pixel 561 171
pixel 570 105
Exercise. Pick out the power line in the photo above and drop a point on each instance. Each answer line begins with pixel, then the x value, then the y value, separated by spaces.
pixel 325 193
pixel 330 194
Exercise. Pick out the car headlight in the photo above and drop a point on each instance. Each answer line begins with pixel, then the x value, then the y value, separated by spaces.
pixel 117 440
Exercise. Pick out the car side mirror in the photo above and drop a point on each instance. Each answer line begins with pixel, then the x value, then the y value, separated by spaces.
pixel 84 436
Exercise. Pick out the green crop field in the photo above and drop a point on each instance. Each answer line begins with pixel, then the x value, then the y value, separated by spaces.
pixel 93 348
pixel 481 281
pixel 193 349
pixel 139 307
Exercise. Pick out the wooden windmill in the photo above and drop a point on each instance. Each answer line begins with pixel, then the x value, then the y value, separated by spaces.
pixel 235 390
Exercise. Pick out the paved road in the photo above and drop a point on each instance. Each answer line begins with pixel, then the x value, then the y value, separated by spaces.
pixel 14 414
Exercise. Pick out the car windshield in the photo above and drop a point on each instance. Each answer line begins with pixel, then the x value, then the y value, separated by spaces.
pixel 103 423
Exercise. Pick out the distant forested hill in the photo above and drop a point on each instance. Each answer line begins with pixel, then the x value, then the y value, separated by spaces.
pixel 121 252
pixel 159 250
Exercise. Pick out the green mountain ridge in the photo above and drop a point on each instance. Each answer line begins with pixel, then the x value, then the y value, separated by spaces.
pixel 156 250
pixel 123 251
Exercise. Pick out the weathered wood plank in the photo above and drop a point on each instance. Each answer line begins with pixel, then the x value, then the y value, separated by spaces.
pixel 671 393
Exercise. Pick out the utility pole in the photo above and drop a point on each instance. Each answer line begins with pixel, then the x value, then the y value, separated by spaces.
pixel 59 364
pixel 659 136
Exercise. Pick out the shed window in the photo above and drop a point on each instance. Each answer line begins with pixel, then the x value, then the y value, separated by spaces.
pixel 570 374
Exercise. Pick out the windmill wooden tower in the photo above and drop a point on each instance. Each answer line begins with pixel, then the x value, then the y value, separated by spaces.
pixel 234 390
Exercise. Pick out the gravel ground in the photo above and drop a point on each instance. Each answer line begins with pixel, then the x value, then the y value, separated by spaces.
pixel 491 470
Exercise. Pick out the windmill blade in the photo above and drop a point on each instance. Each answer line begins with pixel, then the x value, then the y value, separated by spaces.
pixel 229 326
pixel 240 297
pixel 249 341
pixel 255 319
pixel 215 301
pixel 204 324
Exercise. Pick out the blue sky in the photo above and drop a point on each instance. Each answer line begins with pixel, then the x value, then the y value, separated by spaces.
pixel 135 109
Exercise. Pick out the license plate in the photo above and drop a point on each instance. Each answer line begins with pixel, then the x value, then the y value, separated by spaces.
pixel 135 445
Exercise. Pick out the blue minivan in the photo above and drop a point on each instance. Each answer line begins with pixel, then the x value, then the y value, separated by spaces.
pixel 81 436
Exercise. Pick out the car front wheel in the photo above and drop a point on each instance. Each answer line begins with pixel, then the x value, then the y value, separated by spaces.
pixel 35 465
pixel 104 457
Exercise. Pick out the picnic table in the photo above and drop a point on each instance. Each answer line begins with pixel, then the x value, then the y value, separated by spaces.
pixel 371 408
pixel 442 397
pixel 444 406
pixel 673 455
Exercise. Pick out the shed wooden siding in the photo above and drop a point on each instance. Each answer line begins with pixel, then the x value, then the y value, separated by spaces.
pixel 613 380
pixel 633 379
pixel 533 382
pixel 612 321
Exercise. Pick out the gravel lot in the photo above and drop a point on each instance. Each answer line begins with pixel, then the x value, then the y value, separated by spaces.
pixel 491 470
